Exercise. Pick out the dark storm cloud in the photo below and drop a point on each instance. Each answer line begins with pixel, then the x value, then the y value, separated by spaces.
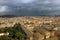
pixel 29 7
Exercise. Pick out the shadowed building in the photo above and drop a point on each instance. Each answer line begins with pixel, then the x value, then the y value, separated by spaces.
pixel 42 31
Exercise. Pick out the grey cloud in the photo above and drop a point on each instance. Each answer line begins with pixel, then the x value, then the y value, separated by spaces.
pixel 30 7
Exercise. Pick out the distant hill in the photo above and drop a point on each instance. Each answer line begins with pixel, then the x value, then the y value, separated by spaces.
pixel 8 16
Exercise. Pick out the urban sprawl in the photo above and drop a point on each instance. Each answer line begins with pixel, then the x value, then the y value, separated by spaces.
pixel 36 27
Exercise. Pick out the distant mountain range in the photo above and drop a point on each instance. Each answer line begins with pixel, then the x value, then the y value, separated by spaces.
pixel 9 16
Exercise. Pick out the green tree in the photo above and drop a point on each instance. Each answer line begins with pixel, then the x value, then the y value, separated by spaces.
pixel 15 32
pixel 5 38
pixel 19 35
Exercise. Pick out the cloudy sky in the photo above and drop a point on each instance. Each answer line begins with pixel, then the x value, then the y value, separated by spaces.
pixel 30 7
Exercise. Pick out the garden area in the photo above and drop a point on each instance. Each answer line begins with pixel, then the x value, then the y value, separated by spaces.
pixel 15 33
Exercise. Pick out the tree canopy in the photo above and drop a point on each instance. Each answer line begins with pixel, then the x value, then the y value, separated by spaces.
pixel 15 32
